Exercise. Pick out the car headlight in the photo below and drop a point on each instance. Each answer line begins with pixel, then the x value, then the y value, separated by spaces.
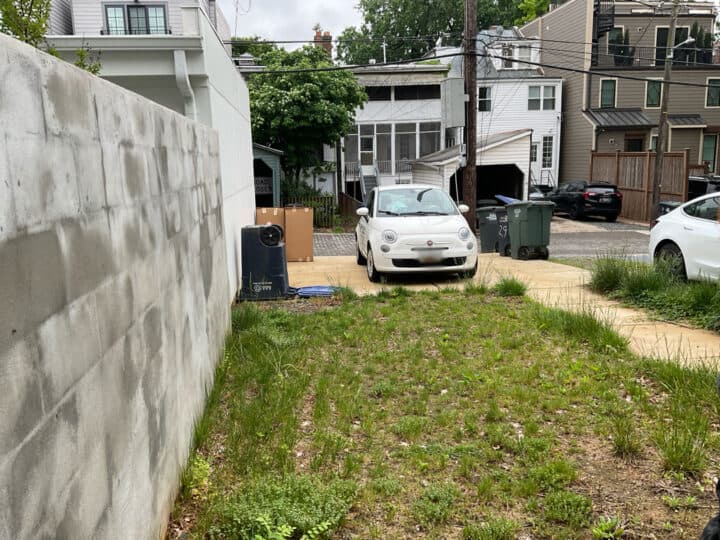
pixel 389 236
pixel 464 233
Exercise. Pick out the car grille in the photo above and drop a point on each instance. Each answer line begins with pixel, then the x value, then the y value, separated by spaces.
pixel 414 263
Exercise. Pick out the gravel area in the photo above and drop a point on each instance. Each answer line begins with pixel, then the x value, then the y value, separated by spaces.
pixel 588 238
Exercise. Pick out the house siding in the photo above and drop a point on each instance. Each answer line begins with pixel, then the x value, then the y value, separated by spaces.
pixel 508 153
pixel 568 24
pixel 641 33
pixel 687 138
pixel 88 16
pixel 60 21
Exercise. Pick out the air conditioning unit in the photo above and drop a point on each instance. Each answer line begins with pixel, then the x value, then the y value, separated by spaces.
pixel 264 263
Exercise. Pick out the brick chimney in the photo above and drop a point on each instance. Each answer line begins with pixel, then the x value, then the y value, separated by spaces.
pixel 324 40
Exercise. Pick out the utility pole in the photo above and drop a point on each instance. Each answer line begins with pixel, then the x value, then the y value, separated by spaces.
pixel 470 173
pixel 384 47
pixel 662 123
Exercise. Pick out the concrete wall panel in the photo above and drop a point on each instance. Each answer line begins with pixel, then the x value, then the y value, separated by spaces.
pixel 114 296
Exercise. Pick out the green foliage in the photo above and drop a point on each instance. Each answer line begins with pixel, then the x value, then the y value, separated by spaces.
pixel 299 112
pixel 568 508
pixel 86 59
pixel 676 503
pixel 683 444
pixel 607 274
pixel 493 528
pixel 196 476
pixel 531 9
pixel 608 528
pixel 552 475
pixel 435 504
pixel 510 287
pixel 253 45
pixel 411 28
pixel 626 440
pixel 296 505
pixel 25 20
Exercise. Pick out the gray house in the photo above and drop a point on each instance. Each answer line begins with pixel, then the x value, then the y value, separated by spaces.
pixel 604 112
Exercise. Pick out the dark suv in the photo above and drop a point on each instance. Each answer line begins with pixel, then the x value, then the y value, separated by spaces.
pixel 580 199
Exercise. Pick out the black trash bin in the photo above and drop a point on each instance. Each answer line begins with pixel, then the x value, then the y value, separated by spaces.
pixel 666 206
pixel 503 233
pixel 487 228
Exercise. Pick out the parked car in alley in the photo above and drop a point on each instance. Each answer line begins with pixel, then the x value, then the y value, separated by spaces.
pixel 580 199
pixel 412 228
pixel 689 236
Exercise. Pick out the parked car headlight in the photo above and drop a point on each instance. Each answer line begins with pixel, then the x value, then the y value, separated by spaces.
pixel 389 236
pixel 464 233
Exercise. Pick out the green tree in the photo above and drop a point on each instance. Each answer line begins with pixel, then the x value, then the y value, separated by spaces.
pixel 25 20
pixel 411 28
pixel 253 45
pixel 299 112
pixel 531 9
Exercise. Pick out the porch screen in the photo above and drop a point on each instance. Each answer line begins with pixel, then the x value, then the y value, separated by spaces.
pixel 405 141
pixel 429 137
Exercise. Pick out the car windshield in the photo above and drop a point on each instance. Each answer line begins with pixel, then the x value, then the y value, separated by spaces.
pixel 415 201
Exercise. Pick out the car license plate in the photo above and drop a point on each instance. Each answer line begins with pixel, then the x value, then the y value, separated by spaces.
pixel 429 257
pixel 605 199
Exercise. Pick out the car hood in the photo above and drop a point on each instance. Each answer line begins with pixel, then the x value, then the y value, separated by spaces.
pixel 409 225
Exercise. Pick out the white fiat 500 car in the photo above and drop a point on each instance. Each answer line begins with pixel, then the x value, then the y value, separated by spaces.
pixel 414 228
pixel 690 235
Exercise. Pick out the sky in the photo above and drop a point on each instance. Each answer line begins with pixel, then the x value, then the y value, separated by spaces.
pixel 290 19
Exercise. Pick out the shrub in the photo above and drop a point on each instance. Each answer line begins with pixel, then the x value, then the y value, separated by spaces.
pixel 510 287
pixel 435 504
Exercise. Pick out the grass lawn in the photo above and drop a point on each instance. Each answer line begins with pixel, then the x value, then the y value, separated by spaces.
pixel 473 414
pixel 656 289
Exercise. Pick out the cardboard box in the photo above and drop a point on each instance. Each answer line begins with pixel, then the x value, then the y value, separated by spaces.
pixel 299 234
pixel 276 216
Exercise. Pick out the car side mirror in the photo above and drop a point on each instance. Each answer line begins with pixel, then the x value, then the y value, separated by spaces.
pixel 464 208
pixel 362 211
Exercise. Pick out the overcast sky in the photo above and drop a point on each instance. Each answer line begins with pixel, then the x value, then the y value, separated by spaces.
pixel 290 19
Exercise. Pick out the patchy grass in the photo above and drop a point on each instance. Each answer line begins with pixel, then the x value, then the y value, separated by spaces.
pixel 460 414
pixel 655 288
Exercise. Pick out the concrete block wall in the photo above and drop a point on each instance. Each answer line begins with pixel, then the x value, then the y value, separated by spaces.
pixel 113 300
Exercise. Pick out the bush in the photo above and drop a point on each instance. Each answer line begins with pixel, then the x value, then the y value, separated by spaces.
pixel 435 504
pixel 301 503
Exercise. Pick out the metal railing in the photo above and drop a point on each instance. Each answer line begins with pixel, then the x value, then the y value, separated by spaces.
pixel 384 167
pixel 352 170
pixel 624 56
pixel 323 208
pixel 403 166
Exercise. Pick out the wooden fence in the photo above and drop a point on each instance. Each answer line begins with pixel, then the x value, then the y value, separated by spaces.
pixel 323 208
pixel 348 205
pixel 633 173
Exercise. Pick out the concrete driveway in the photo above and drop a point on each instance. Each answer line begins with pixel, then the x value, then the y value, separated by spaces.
pixel 584 239
pixel 553 284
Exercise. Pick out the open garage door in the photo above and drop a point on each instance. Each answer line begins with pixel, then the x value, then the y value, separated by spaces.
pixel 492 180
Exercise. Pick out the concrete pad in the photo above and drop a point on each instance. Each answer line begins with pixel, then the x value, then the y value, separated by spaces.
pixel 552 284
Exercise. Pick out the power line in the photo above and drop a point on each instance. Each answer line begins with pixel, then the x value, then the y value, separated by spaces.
pixel 351 68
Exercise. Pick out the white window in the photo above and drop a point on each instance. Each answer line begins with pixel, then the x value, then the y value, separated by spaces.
pixel 429 137
pixel 135 19
pixel 507 56
pixel 547 152
pixel 541 98
pixel 653 94
pixel 484 99
pixel 533 152
pixel 524 55
pixel 607 93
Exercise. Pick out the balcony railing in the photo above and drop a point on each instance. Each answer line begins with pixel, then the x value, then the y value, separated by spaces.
pixel 384 167
pixel 352 170
pixel 622 56
pixel 166 31
pixel 403 166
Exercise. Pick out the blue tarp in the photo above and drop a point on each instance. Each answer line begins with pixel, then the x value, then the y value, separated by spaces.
pixel 506 200
pixel 312 290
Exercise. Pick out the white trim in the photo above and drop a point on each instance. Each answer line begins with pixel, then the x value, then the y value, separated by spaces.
pixel 655 43
pixel 615 94
pixel 707 90
pixel 607 41
pixel 662 89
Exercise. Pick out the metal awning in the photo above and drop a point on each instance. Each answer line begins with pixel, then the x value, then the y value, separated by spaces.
pixel 619 118
pixel 686 121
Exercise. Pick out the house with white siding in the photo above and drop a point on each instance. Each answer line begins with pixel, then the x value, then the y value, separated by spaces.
pixel 513 94
pixel 175 53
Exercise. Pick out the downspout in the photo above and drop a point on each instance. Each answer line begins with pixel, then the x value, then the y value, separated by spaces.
pixel 182 79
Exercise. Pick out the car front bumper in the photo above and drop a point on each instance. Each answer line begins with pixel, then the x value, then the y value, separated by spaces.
pixel 411 256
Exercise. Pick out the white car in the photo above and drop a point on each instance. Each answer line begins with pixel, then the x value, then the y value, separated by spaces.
pixel 690 234
pixel 412 228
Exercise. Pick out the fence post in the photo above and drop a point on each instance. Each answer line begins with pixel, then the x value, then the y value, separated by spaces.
pixel 617 167
pixel 686 169
pixel 591 176
pixel 646 186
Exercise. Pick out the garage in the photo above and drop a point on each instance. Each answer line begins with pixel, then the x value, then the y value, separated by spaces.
pixel 503 165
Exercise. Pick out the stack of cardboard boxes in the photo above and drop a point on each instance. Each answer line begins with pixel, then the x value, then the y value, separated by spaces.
pixel 297 224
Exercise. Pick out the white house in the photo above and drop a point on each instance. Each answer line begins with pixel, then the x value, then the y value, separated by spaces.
pixel 403 120
pixel 174 53
pixel 514 94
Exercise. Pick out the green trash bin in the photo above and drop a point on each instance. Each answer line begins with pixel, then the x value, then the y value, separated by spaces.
pixel 529 225
pixel 487 225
